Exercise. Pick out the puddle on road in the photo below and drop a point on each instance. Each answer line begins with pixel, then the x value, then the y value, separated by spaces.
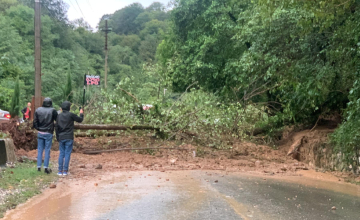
pixel 244 211
pixel 239 208
pixel 317 180
pixel 81 199
pixel 45 205
pixel 189 187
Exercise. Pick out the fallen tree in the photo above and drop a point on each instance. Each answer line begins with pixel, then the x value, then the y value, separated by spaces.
pixel 113 127
pixel 94 134
pixel 126 149
pixel 101 128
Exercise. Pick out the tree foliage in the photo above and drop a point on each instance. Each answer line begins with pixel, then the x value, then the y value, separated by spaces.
pixel 73 47
pixel 15 101
pixel 287 61
pixel 298 58
pixel 123 20
pixel 68 93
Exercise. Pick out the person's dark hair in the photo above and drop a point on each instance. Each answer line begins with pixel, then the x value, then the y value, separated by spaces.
pixel 65 106
pixel 47 102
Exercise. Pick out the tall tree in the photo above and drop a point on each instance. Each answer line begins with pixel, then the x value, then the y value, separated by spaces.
pixel 15 101
pixel 123 20
pixel 5 4
pixel 56 9
pixel 68 93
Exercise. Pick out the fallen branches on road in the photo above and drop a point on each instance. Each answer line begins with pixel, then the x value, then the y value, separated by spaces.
pixel 94 134
pixel 125 149
pixel 113 127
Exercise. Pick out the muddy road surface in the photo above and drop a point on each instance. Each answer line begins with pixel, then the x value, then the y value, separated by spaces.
pixel 192 195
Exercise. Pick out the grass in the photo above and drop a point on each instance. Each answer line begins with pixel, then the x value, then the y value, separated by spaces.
pixel 352 181
pixel 24 181
pixel 3 135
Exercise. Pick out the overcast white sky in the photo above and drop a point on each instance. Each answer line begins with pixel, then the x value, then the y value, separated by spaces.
pixel 93 10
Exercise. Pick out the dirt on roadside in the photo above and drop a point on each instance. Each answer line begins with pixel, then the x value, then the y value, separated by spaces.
pixel 246 157
pixel 242 156
pixel 21 134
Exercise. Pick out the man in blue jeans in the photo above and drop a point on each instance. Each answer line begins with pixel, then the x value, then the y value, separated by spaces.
pixel 44 118
pixel 65 135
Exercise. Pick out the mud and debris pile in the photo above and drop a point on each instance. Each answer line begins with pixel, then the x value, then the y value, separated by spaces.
pixel 21 134
pixel 312 147
pixel 242 157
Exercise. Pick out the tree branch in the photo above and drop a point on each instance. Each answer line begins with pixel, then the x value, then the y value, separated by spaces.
pixel 167 114
pixel 129 94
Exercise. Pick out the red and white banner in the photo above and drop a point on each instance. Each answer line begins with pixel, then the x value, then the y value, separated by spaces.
pixel 92 80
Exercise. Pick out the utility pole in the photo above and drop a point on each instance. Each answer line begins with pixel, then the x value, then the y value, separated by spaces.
pixel 84 90
pixel 37 101
pixel 107 30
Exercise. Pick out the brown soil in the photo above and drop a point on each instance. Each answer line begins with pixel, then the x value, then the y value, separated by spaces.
pixel 21 138
pixel 312 148
pixel 309 146
pixel 242 157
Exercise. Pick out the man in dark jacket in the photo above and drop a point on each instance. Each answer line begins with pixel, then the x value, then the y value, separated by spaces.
pixel 44 118
pixel 65 135
pixel 26 112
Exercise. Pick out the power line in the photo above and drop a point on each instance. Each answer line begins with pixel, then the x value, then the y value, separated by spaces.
pixel 80 8
pixel 90 5
pixel 73 6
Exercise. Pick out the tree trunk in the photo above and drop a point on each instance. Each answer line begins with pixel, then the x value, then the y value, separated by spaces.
pixel 125 149
pixel 94 134
pixel 113 127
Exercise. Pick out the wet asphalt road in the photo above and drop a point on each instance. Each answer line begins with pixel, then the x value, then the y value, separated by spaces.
pixel 198 195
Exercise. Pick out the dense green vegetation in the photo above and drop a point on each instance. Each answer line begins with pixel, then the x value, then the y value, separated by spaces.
pixel 73 48
pixel 243 64
pixel 300 59
pixel 15 101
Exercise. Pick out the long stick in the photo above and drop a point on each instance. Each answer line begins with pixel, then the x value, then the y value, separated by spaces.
pixel 94 134
pixel 84 98
pixel 84 90
pixel 125 149
pixel 113 127
pixel 131 95
pixel 107 127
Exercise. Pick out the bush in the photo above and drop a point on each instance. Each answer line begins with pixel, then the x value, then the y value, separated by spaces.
pixel 346 138
pixel 15 101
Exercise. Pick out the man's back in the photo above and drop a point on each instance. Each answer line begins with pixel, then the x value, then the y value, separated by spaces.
pixel 65 122
pixel 44 117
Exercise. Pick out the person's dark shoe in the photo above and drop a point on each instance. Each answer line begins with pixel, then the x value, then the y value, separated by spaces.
pixel 39 169
pixel 47 170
